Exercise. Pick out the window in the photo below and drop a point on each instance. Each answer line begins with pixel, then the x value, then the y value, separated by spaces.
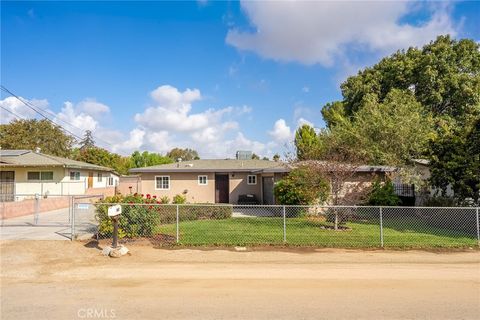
pixel 251 179
pixel 99 177
pixel 33 175
pixel 74 175
pixel 46 175
pixel 110 181
pixel 202 180
pixel 40 175
pixel 162 182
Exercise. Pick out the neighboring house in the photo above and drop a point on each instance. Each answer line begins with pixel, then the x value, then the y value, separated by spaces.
pixel 24 173
pixel 213 181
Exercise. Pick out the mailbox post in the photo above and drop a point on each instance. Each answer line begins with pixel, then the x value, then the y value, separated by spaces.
pixel 115 250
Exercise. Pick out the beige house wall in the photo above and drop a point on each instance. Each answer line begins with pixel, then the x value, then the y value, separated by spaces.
pixel 185 183
pixel 239 186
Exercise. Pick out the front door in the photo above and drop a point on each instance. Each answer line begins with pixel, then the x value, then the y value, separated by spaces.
pixel 90 179
pixel 221 188
pixel 267 183
pixel 7 185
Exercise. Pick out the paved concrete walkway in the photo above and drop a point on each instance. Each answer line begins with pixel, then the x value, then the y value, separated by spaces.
pixel 51 225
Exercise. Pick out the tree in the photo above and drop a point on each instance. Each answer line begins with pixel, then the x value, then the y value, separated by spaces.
pixel 441 80
pixel 87 141
pixel 276 157
pixel 103 158
pixel 32 134
pixel 388 133
pixel 444 76
pixel 184 154
pixel 146 159
pixel 255 157
pixel 456 163
pixel 383 194
pixel 302 186
pixel 265 158
pixel 306 142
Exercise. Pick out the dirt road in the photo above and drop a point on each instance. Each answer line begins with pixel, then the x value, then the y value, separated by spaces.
pixel 64 280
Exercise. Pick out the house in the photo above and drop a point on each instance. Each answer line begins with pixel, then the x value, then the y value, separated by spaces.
pixel 213 181
pixel 233 180
pixel 25 173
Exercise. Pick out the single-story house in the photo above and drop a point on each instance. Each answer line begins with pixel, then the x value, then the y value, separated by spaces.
pixel 229 180
pixel 213 181
pixel 25 173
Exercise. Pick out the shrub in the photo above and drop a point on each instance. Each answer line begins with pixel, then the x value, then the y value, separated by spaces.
pixel 302 186
pixel 179 199
pixel 141 215
pixel 165 200
pixel 383 195
pixel 440 202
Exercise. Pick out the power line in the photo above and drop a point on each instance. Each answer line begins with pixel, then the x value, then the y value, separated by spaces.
pixel 34 108
pixel 13 113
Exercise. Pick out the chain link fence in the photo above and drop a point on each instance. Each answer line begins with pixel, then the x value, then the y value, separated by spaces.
pixel 312 226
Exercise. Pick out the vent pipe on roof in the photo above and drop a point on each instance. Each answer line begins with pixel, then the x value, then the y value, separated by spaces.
pixel 37 150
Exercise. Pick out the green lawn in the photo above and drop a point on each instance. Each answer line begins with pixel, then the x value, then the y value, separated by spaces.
pixel 398 232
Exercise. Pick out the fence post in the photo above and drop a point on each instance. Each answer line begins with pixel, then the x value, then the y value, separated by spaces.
pixel 37 207
pixel 178 229
pixel 72 205
pixel 284 225
pixel 381 227
pixel 478 229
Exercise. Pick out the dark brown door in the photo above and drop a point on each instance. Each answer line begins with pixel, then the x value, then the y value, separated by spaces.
pixel 267 183
pixel 7 185
pixel 221 188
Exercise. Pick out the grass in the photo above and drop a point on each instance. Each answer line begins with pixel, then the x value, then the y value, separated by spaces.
pixel 402 232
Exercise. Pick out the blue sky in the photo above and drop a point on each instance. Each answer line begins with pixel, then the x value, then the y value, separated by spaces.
pixel 213 76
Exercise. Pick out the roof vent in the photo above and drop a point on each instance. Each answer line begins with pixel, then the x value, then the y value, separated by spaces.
pixel 37 150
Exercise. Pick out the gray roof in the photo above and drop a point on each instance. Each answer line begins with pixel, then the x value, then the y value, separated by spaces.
pixel 28 158
pixel 218 165
pixel 357 168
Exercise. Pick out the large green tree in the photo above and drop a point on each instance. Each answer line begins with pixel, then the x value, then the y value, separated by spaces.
pixel 146 159
pixel 390 132
pixel 444 77
pixel 306 142
pixel 184 154
pixel 102 157
pixel 456 163
pixel 32 134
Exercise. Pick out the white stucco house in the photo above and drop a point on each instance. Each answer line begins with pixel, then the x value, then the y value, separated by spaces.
pixel 25 173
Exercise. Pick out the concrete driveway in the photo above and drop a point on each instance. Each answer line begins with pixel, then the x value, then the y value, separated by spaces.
pixel 50 225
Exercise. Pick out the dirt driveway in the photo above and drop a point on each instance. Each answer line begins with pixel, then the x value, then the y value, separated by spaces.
pixel 65 280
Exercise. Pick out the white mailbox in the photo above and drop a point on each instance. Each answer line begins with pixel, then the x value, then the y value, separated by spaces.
pixel 115 210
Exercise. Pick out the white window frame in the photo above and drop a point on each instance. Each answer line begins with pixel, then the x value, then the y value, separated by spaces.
pixel 99 177
pixel 75 175
pixel 248 179
pixel 110 181
pixel 162 188
pixel 206 180
pixel 39 176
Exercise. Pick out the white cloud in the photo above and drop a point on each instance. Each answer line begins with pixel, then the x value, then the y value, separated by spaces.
pixel 313 32
pixel 306 89
pixel 92 107
pixel 75 119
pixel 281 132
pixel 18 110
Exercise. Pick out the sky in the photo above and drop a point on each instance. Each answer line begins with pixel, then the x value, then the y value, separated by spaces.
pixel 209 75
